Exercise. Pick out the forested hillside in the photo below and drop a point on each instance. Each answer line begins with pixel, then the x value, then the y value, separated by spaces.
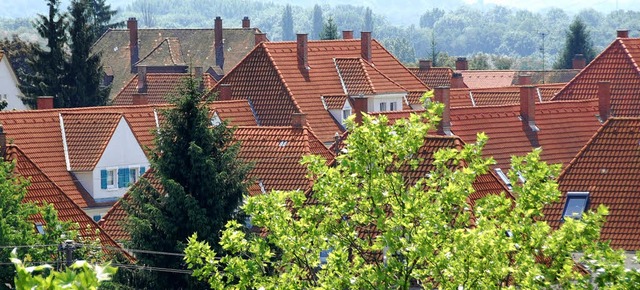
pixel 483 32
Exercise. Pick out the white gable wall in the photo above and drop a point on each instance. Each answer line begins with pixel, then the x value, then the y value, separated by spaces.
pixel 375 100
pixel 123 151
pixel 9 91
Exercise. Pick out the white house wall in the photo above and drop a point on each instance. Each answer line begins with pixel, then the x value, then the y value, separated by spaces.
pixel 9 87
pixel 374 101
pixel 123 151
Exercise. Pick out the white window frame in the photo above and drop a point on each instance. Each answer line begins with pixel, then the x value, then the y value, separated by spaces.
pixel 393 106
pixel 575 195
pixel 135 170
pixel 114 179
pixel 382 106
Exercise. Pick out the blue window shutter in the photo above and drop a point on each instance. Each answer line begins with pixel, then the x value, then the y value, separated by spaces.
pixel 127 179
pixel 142 170
pixel 121 177
pixel 103 179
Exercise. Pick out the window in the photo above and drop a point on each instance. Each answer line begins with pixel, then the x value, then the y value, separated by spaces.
pixel 503 177
pixel 383 106
pixel 346 112
pixel 134 174
pixel 324 255
pixel 111 178
pixel 40 228
pixel 392 106
pixel 97 218
pixel 576 204
pixel 215 120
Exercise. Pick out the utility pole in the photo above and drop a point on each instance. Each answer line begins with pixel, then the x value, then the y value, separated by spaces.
pixel 543 35
pixel 68 246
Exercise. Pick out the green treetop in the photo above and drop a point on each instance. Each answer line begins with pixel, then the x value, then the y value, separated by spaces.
pixel 287 24
pixel 578 41
pixel 329 30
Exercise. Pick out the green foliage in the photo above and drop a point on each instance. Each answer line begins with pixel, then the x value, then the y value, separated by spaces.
pixel 479 61
pixel 502 62
pixel 429 18
pixel 100 17
pixel 318 22
pixel 18 51
pixel 81 275
pixel 203 181
pixel 578 41
pixel 401 48
pixel 287 24
pixel 329 30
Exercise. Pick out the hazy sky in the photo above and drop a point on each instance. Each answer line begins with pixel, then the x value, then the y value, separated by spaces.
pixel 600 5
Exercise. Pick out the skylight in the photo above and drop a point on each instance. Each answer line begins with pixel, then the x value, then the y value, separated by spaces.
pixel 283 143
pixel 40 228
pixel 576 205
pixel 503 177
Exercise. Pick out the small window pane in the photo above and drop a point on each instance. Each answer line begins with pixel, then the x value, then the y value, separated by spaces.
pixel 392 106
pixel 345 114
pixel 383 106
pixel 133 175
pixel 111 178
pixel 576 205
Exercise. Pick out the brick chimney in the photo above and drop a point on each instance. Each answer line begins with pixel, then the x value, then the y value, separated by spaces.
pixel 424 64
pixel 44 102
pixel 132 25
pixel 457 81
pixel 298 120
pixel 579 61
pixel 224 93
pixel 528 106
pixel 462 63
pixel 302 48
pixel 246 23
pixel 260 37
pixel 140 99
pixel 142 80
pixel 347 34
pixel 360 105
pixel 524 79
pixel 365 45
pixel 623 33
pixel 604 100
pixel 442 96
pixel 219 43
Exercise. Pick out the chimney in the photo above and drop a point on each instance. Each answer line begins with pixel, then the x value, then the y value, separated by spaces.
pixel 260 37
pixel 199 76
pixel 604 100
pixel 298 120
pixel 579 61
pixel 360 105
pixel 132 25
pixel 142 80
pixel 528 106
pixel 44 102
pixel 425 64
pixel 140 99
pixel 442 96
pixel 462 63
pixel 3 143
pixel 347 34
pixel 219 45
pixel 623 33
pixel 365 45
pixel 224 93
pixel 524 79
pixel 457 81
pixel 303 51
pixel 246 23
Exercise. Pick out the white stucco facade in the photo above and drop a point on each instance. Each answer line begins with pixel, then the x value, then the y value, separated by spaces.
pixel 123 151
pixel 9 90
pixel 386 102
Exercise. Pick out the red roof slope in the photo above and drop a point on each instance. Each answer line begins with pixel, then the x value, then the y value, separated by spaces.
pixel 159 87
pixel 87 135
pixel 617 64
pixel 42 189
pixel 477 79
pixel 434 76
pixel 608 168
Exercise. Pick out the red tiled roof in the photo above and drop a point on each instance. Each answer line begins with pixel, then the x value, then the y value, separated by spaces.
pixel 477 79
pixel 167 53
pixel 617 64
pixel 87 135
pixel 434 76
pixel 359 77
pixel 608 168
pixel 44 190
pixel 159 87
pixel 334 102
pixel 272 79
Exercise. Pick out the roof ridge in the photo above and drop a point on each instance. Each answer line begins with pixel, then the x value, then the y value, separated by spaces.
pixel 630 56
pixel 387 77
pixel 280 76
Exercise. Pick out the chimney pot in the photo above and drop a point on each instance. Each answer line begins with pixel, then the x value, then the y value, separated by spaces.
pixel 132 25
pixel 303 51
pixel 44 102
pixel 347 34
pixel 604 100
pixel 579 61
pixel 623 33
pixel 140 99
pixel 246 23
pixel 462 63
pixel 524 79
pixel 528 106
pixel 442 96
pixel 424 64
pixel 219 45
pixel 360 106
pixel 298 120
pixel 142 80
pixel 365 45
pixel 260 37
pixel 225 92
pixel 457 81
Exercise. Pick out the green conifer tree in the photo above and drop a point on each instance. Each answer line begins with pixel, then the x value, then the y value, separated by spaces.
pixel 329 30
pixel 578 41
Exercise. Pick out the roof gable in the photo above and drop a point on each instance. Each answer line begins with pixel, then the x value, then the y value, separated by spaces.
pixel 167 53
pixel 86 135
pixel 159 87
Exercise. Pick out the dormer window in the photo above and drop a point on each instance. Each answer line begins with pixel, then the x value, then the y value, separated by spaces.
pixel 215 120
pixel 383 106
pixel 393 106
pixel 576 205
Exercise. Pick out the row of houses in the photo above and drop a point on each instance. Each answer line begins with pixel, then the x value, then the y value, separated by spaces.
pixel 289 99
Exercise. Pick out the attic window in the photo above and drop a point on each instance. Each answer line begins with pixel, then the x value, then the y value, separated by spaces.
pixel 40 228
pixel 262 186
pixel 576 204
pixel 503 177
pixel 215 119
pixel 283 143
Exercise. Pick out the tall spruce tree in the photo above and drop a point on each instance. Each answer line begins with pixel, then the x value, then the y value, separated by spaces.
pixel 318 22
pixel 85 71
pixel 329 30
pixel 368 20
pixel 49 65
pixel 578 41
pixel 203 183
pixel 287 24
pixel 101 15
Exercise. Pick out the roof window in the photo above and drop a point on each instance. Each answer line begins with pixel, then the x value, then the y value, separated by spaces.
pixel 283 143
pixel 503 177
pixel 576 205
